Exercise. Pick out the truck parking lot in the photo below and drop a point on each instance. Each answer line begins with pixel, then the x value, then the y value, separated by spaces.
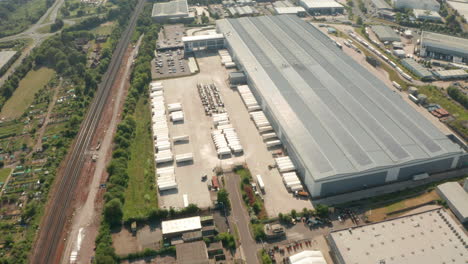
pixel 198 126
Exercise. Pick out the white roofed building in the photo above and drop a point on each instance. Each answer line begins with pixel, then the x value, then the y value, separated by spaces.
pixel 177 227
pixel 322 7
pixel 307 257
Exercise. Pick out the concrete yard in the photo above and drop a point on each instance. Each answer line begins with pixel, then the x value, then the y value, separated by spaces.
pixel 5 56
pixel 198 126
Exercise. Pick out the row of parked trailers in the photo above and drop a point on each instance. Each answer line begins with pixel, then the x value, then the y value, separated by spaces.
pixel 226 59
pixel 381 55
pixel 288 173
pixel 225 136
pixel 162 145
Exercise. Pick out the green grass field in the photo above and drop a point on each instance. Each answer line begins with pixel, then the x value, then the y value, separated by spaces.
pixel 141 193
pixel 22 16
pixel 24 94
pixel 104 29
pixel 10 129
pixel 4 174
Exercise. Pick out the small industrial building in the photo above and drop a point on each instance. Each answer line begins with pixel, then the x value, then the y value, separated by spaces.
pixel 381 5
pixel 456 198
pixel 291 10
pixel 342 127
pixel 451 74
pixel 171 12
pixel 307 257
pixel 203 42
pixel 421 14
pixel 431 237
pixel 385 33
pixel 322 7
pixel 192 253
pixel 241 11
pixel 177 227
pixel 284 3
pixel 386 14
pixel 417 69
pixel 431 5
pixel 444 47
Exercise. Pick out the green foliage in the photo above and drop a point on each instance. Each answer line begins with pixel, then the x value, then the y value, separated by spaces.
pixel 258 232
pixel 265 257
pixel 321 210
pixel 17 15
pixel 458 96
pixel 58 24
pixel 105 253
pixel 227 239
pixel 147 252
pixel 113 212
pixel 223 197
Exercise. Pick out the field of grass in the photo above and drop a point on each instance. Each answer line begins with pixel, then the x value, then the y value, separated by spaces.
pixel 10 129
pixel 4 174
pixel 21 16
pixel 141 193
pixel 24 94
pixel 104 29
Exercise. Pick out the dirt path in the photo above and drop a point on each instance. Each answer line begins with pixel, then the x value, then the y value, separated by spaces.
pixel 42 130
pixel 86 219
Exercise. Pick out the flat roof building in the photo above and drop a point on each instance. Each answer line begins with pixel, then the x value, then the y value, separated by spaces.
pixel 322 7
pixel 179 226
pixel 381 5
pixel 291 10
pixel 307 257
pixel 444 47
pixel 416 68
pixel 422 14
pixel 456 198
pixel 451 74
pixel 242 11
pixel 343 128
pixel 432 5
pixel 201 42
pixel 385 33
pixel 192 253
pixel 431 237
pixel 172 11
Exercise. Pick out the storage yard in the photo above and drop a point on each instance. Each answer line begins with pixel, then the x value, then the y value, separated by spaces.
pixel 215 116
pixel 348 155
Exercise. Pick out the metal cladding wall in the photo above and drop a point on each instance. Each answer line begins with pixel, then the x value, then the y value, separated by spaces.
pixel 463 161
pixel 429 167
pixel 353 184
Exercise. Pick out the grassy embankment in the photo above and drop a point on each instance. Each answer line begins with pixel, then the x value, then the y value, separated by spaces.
pixel 140 195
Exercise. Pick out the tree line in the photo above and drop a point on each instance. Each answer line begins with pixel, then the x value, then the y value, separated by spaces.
pixel 458 96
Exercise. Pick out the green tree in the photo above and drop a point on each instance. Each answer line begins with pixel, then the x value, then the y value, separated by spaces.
pixel 359 20
pixel 113 212
pixel 223 197
pixel 227 239
pixel 321 210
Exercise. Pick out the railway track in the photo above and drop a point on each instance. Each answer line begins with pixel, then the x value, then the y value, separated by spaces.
pixel 48 243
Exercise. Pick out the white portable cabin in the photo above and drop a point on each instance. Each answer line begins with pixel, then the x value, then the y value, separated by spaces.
pixel 261 185
pixel 184 157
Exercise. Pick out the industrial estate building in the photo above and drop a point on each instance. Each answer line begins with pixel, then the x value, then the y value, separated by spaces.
pixel 201 42
pixel 177 227
pixel 290 10
pixel 431 237
pixel 422 14
pixel 416 68
pixel 456 198
pixel 343 128
pixel 381 5
pixel 432 5
pixel 172 11
pixel 444 47
pixel 451 74
pixel 385 33
pixel 322 7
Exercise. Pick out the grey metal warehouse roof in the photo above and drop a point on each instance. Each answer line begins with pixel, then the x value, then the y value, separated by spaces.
pixel 444 43
pixel 339 118
pixel 385 33
pixel 171 8
pixel 381 4
pixel 416 68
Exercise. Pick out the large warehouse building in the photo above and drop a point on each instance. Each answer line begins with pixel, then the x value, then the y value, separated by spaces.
pixel 172 11
pixel 431 5
pixel 430 237
pixel 343 128
pixel 444 47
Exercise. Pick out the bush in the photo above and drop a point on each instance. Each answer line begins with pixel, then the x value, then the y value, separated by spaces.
pixel 227 239
pixel 113 212
pixel 259 232
pixel 458 96
pixel 265 257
